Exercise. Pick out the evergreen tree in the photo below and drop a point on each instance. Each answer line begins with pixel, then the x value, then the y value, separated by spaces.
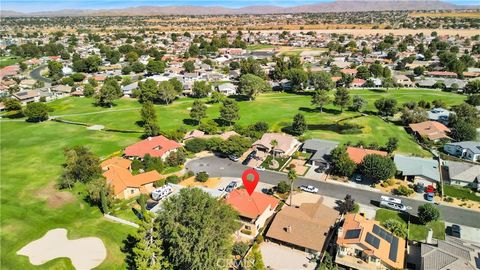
pixel 342 98
pixel 149 119
pixel 148 252
pixel 108 93
pixel 198 111
pixel 229 111
pixel 299 125
pixel 320 98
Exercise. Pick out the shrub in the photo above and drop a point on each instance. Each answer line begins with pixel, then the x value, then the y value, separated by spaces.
pixel 202 177
pixel 259 239
pixel 188 174
pixel 239 248
pixel 396 227
pixel 172 179
pixel 356 208
pixel 159 183
pixel 245 231
pixel 448 199
pixel 403 191
pixel 283 187
pixel 196 145
pixel 428 212
pixel 136 165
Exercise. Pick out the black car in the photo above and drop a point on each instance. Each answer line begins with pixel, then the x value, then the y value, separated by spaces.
pixel 456 231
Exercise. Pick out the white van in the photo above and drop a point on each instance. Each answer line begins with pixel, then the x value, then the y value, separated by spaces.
pixel 390 199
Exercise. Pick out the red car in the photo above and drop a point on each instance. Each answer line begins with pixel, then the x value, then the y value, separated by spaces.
pixel 430 189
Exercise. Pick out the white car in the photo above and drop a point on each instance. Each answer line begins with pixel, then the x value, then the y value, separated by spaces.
pixel 260 168
pixel 393 206
pixel 233 158
pixel 390 199
pixel 310 189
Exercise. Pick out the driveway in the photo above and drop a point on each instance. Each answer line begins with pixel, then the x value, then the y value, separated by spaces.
pixel 36 74
pixel 222 167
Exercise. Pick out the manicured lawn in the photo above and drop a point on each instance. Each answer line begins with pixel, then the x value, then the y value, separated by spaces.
pixel 31 156
pixel 9 60
pixel 281 162
pixel 417 232
pixel 460 193
pixel 277 109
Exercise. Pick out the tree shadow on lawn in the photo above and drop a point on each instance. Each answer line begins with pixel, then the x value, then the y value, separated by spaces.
pixel 338 128
pixel 190 122
pixel 128 246
pixel 317 110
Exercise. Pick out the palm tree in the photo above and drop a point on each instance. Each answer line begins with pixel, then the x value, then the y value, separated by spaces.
pixel 292 176
pixel 274 144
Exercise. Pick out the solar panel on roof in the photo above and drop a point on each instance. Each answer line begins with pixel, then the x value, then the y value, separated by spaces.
pixel 382 233
pixel 352 234
pixel 392 255
pixel 372 240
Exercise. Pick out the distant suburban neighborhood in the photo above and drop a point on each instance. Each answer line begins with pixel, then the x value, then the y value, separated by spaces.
pixel 124 141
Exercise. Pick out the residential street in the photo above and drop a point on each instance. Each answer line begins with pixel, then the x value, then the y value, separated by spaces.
pixel 223 167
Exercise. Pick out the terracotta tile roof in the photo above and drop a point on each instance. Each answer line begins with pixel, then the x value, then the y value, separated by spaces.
pixel 442 73
pixel 119 176
pixel 351 71
pixel 155 146
pixel 359 222
pixel 250 206
pixel 291 225
pixel 357 154
pixel 432 129
pixel 358 82
pixel 116 161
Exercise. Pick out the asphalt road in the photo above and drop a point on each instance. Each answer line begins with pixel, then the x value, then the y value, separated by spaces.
pixel 35 74
pixel 223 167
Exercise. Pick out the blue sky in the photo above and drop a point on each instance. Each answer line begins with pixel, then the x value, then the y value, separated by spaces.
pixel 45 5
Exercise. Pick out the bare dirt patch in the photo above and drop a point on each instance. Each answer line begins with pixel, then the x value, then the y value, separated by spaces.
pixel 54 198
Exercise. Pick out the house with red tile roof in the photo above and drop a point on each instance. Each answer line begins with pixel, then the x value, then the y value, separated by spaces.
pixel 253 210
pixel 432 130
pixel 349 71
pixel 125 185
pixel 357 154
pixel 357 82
pixel 158 146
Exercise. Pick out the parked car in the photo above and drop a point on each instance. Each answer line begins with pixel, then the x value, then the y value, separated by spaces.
pixel 357 178
pixel 393 206
pixel 231 186
pixel 310 189
pixel 419 188
pixel 391 199
pixel 233 158
pixel 260 168
pixel 322 167
pixel 430 189
pixel 456 231
pixel 247 160
pixel 429 196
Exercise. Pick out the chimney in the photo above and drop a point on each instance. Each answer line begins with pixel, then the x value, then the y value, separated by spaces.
pixel 288 229
pixel 429 236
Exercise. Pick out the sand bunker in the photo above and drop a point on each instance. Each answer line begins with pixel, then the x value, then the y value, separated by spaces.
pixel 85 253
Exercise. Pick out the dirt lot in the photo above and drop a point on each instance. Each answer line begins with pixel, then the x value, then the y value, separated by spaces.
pixel 54 198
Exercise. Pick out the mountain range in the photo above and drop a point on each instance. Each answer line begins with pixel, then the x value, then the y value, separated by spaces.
pixel 324 7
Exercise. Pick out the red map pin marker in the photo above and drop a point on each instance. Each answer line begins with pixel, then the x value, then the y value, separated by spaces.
pixel 250 179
